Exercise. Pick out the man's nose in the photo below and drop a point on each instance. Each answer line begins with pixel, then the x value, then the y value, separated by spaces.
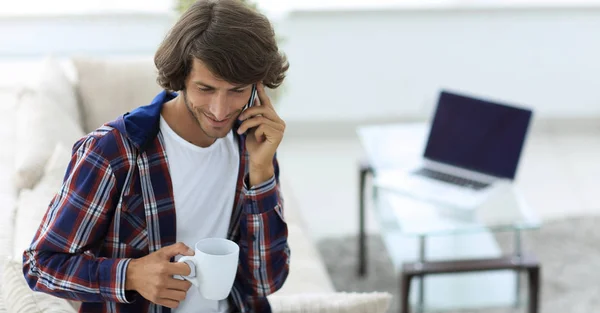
pixel 219 107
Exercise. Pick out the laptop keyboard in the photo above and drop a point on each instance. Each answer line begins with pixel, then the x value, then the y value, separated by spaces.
pixel 455 180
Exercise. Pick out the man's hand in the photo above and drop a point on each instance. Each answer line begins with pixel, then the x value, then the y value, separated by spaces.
pixel 265 132
pixel 152 276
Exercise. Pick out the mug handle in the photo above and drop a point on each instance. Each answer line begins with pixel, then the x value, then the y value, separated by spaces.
pixel 193 277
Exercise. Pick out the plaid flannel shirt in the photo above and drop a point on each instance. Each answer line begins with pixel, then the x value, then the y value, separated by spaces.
pixel 116 203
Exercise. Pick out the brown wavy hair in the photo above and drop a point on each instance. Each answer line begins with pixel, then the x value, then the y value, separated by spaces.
pixel 234 41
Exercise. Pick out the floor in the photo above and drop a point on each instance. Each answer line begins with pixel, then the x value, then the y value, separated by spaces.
pixel 569 280
pixel 559 175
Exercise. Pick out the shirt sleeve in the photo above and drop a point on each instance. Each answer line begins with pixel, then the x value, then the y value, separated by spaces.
pixel 264 255
pixel 59 261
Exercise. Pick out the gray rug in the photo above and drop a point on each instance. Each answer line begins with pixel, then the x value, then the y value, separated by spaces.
pixel 569 251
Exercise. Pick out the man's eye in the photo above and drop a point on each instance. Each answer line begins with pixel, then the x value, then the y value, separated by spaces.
pixel 205 89
pixel 238 91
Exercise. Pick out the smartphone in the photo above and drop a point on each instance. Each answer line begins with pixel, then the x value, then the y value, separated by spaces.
pixel 252 97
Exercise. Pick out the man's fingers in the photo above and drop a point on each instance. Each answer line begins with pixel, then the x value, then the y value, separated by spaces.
pixel 262 95
pixel 271 134
pixel 259 111
pixel 168 303
pixel 178 268
pixel 257 121
pixel 170 294
pixel 176 249
pixel 177 284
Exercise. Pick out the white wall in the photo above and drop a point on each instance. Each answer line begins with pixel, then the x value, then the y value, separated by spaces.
pixel 90 34
pixel 384 64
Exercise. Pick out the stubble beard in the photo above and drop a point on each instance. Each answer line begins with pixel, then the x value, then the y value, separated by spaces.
pixel 198 117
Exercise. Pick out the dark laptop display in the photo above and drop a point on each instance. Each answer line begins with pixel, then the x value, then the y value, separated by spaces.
pixel 478 135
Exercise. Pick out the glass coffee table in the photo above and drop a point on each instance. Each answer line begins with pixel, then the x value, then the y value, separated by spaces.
pixel 451 253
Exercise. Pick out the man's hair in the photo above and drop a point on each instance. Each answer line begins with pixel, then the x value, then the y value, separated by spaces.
pixel 234 41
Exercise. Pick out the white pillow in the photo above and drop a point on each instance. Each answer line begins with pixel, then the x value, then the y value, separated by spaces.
pixel 31 208
pixel 339 302
pixel 33 204
pixel 46 115
pixel 109 88
pixel 55 169
pixel 19 298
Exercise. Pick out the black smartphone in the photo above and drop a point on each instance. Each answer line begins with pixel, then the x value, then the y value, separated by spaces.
pixel 252 97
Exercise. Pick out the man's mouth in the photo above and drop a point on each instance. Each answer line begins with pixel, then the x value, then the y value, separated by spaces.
pixel 217 123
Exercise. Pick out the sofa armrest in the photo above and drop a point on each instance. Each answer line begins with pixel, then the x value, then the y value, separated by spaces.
pixel 307 269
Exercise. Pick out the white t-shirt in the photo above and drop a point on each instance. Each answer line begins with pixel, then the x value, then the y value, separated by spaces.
pixel 204 182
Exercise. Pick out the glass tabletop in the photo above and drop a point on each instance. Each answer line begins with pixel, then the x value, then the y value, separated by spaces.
pixel 402 212
pixel 392 150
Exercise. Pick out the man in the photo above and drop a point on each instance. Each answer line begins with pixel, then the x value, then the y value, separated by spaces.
pixel 142 189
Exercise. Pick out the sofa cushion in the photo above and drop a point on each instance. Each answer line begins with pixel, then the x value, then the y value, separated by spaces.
pixel 19 298
pixel 46 115
pixel 307 272
pixel 291 213
pixel 8 106
pixel 31 207
pixel 110 87
pixel 340 302
pixel 55 169
pixel 7 190
pixel 32 204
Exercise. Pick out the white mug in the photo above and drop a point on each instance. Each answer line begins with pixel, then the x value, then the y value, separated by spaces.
pixel 213 267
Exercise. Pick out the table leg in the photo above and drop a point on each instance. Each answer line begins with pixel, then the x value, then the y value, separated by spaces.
pixel 518 252
pixel 405 293
pixel 422 243
pixel 534 289
pixel 362 245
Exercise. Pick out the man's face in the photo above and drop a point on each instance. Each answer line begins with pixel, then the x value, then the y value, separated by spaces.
pixel 214 103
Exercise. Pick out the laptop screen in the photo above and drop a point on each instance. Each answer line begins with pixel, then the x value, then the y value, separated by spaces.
pixel 477 135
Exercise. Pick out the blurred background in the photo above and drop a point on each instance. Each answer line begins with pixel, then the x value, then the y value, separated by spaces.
pixel 366 63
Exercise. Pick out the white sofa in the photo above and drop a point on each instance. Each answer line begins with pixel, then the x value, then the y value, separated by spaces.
pixel 38 125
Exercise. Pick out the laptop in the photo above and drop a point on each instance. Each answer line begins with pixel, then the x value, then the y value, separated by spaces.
pixel 473 148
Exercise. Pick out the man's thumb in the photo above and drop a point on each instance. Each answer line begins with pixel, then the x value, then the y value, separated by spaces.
pixel 176 249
